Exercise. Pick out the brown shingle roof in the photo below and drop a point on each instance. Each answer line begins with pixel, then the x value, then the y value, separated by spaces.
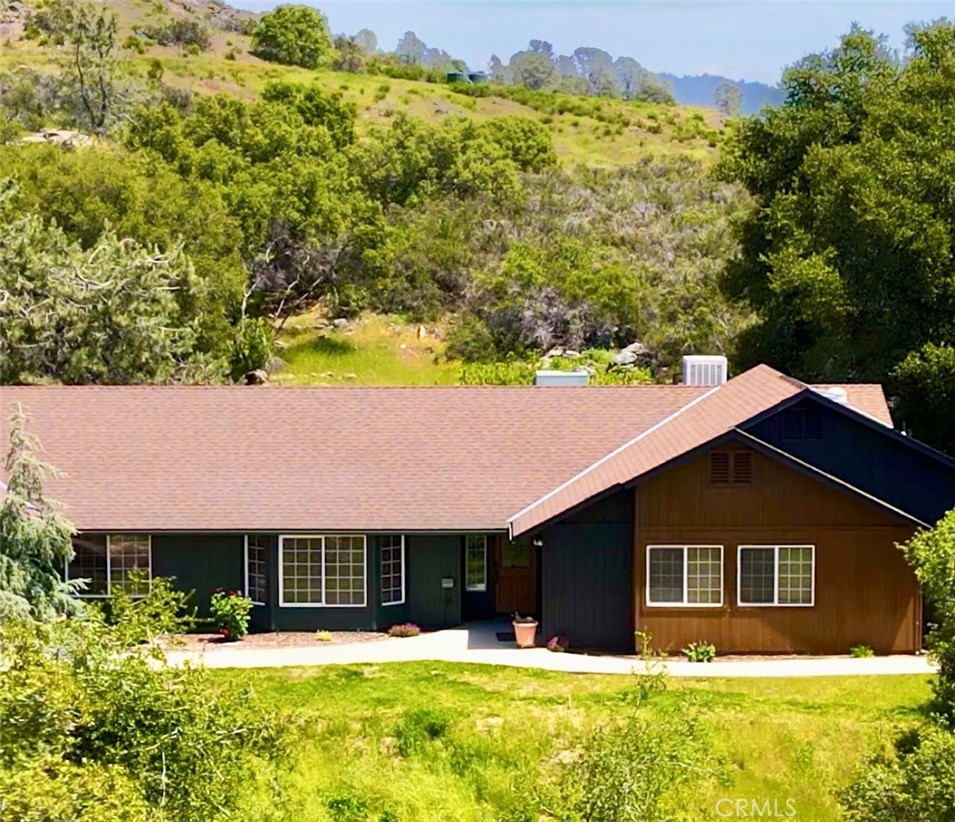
pixel 210 458
pixel 188 458
pixel 700 421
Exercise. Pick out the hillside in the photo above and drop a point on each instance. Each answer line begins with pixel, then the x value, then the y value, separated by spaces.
pixel 584 130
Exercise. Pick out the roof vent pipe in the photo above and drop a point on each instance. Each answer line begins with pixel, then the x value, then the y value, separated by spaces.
pixel 704 370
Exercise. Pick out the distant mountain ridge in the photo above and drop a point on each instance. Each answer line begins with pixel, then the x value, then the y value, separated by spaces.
pixel 699 89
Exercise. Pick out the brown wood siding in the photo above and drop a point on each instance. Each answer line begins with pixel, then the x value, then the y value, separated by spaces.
pixel 865 593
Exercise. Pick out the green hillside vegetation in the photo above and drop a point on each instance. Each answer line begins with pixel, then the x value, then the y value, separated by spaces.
pixel 603 131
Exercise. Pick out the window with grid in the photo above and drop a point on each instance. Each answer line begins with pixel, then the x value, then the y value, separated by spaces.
pixel 685 575
pixel 90 563
pixel 344 570
pixel 111 563
pixel 392 570
pixel 475 564
pixel 301 582
pixel 256 559
pixel 776 574
pixel 322 570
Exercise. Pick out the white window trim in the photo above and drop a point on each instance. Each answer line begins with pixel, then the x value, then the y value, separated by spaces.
pixel 381 572
pixel 245 549
pixel 467 585
pixel 776 603
pixel 684 603
pixel 322 604
pixel 109 568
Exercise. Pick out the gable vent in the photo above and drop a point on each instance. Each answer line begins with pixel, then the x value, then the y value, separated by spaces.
pixel 731 468
pixel 742 468
pixel 704 370
pixel 719 467
pixel 802 424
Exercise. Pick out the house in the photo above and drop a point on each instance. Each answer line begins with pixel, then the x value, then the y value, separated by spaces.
pixel 757 513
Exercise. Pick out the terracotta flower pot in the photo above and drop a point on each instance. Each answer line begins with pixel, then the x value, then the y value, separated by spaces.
pixel 525 632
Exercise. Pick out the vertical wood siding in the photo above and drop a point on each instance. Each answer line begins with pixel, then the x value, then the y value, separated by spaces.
pixel 586 577
pixel 865 591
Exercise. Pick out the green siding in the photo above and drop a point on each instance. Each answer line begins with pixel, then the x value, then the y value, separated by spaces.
pixel 200 563
pixel 429 559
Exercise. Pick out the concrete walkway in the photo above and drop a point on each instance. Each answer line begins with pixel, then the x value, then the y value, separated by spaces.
pixel 478 643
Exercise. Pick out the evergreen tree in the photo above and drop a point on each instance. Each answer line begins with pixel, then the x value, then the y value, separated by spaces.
pixel 35 540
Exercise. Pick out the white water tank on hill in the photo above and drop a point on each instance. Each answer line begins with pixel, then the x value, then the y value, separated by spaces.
pixel 704 369
pixel 581 377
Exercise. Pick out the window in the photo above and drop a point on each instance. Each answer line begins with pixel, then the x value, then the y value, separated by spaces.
pixel 111 563
pixel 475 555
pixel 322 571
pixel 256 561
pixel 690 575
pixel 776 575
pixel 392 570
pixel 802 424
pixel 731 468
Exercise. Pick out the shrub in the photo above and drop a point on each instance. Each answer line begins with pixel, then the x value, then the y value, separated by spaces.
pixel 324 636
pixel 641 768
pixel 932 553
pixel 916 785
pixel 557 644
pixel 420 726
pixel 230 613
pixel 91 729
pixel 185 33
pixel 700 652
pixel 861 652
pixel 293 36
pixel 404 630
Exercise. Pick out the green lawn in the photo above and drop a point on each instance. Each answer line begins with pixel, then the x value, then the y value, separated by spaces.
pixel 780 739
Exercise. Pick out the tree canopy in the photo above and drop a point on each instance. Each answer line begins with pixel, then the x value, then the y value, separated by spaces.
pixel 849 256
pixel 294 36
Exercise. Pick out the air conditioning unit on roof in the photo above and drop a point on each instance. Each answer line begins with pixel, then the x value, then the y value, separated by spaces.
pixel 699 369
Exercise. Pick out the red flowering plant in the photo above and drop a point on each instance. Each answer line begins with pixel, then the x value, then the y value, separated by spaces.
pixel 230 613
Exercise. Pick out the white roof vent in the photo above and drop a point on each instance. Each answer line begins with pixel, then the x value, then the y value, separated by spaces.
pixel 835 394
pixel 704 370
pixel 581 377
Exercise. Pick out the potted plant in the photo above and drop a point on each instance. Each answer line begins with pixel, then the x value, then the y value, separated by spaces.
pixel 525 629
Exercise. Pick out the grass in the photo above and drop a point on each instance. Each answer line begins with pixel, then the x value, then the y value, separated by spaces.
pixel 578 138
pixel 442 741
pixel 375 350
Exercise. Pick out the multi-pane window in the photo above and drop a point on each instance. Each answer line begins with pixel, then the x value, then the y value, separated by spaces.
pixel 685 575
pixel 256 561
pixel 322 570
pixel 392 570
pixel 475 562
pixel 776 574
pixel 344 570
pixel 111 563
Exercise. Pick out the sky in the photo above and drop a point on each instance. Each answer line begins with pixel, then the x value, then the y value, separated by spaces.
pixel 741 40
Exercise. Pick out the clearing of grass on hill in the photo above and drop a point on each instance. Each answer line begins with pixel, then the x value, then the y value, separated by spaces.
pixel 373 350
pixel 442 741
pixel 593 131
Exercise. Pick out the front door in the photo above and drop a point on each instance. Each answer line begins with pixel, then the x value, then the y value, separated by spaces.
pixel 515 588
